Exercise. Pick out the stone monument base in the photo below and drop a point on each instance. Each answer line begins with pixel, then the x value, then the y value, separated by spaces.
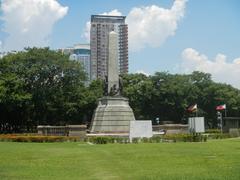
pixel 113 115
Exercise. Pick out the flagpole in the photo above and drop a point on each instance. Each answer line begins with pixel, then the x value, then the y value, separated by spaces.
pixel 221 123
pixel 196 109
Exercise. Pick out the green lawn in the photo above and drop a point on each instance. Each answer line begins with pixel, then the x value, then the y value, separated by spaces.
pixel 212 160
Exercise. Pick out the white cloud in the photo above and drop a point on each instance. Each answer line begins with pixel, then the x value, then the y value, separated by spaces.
pixel 29 22
pixel 114 12
pixel 152 25
pixel 142 72
pixel 221 69
pixel 149 25
pixel 86 33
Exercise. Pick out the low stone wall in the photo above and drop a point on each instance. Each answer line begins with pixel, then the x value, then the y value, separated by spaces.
pixel 234 132
pixel 77 130
pixel 172 128
pixel 69 130
pixel 230 123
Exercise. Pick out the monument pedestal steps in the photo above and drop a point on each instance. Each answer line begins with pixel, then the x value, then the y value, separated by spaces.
pixel 113 115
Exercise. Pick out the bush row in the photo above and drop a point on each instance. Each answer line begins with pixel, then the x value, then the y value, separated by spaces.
pixel 155 139
pixel 172 138
pixel 213 131
pixel 34 138
pixel 216 133
pixel 218 136
pixel 106 140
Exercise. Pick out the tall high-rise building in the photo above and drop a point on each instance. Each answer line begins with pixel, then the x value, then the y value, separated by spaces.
pixel 80 53
pixel 101 25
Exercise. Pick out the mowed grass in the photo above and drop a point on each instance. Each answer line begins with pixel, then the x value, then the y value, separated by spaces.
pixel 218 159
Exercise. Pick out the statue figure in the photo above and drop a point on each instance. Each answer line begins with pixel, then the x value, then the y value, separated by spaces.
pixel 105 86
pixel 120 85
pixel 113 90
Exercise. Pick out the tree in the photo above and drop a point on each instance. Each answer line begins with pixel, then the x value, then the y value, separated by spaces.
pixel 43 87
pixel 52 83
pixel 138 88
pixel 167 96
pixel 13 102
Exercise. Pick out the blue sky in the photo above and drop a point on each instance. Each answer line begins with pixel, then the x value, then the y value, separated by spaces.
pixel 206 36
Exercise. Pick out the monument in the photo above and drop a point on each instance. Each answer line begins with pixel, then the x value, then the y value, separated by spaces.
pixel 113 113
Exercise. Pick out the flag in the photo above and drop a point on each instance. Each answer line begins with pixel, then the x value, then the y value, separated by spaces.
pixel 221 107
pixel 192 108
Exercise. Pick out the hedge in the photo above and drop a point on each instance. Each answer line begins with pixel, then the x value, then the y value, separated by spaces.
pixel 36 138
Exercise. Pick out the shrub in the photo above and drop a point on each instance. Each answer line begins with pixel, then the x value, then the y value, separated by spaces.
pixel 156 139
pixel 172 138
pixel 99 140
pixel 219 136
pixel 213 131
pixel 184 138
pixel 135 140
pixel 106 140
pixel 121 140
pixel 145 140
pixel 35 138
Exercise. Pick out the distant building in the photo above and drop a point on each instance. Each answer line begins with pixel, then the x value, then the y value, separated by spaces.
pixel 101 25
pixel 2 54
pixel 67 51
pixel 80 53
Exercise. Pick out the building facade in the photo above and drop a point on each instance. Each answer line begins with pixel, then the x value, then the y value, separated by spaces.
pixel 80 53
pixel 101 25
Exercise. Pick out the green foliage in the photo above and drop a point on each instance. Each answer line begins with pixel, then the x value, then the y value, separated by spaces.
pixel 172 138
pixel 167 96
pixel 34 138
pixel 135 140
pixel 40 86
pixel 219 136
pixel 100 140
pixel 213 131
pixel 37 138
pixel 155 139
pixel 107 140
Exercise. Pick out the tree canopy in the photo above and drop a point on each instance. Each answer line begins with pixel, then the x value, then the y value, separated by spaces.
pixel 39 86
pixel 167 96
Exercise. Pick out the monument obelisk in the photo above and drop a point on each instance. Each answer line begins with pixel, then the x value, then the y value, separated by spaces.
pixel 113 113
pixel 113 77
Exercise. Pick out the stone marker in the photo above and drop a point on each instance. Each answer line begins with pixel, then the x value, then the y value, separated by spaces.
pixel 140 129
pixel 196 125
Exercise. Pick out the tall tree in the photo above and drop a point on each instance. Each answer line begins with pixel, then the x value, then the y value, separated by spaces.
pixel 54 83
